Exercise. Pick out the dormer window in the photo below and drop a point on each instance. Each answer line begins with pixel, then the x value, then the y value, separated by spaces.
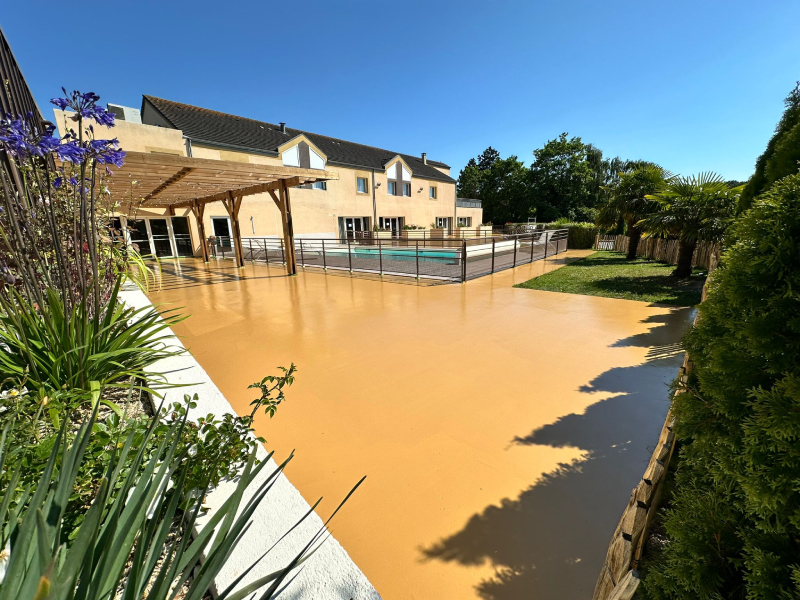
pixel 300 152
pixel 397 175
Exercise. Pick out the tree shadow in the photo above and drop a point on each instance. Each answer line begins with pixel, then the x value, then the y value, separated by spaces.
pixel 671 291
pixel 660 340
pixel 550 541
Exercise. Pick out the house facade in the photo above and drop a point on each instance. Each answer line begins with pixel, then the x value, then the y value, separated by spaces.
pixel 375 187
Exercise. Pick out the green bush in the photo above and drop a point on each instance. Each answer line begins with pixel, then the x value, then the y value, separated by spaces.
pixel 581 235
pixel 123 548
pixel 53 346
pixel 734 525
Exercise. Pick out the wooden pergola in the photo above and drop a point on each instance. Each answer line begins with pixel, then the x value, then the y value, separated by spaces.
pixel 169 182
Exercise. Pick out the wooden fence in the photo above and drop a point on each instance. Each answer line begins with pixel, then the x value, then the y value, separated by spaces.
pixel 619 578
pixel 660 249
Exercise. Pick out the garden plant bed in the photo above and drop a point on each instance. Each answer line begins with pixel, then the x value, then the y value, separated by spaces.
pixel 610 275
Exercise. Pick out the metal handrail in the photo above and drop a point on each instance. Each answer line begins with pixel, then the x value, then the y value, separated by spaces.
pixel 439 258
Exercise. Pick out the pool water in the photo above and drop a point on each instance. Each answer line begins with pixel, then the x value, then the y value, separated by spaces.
pixel 399 253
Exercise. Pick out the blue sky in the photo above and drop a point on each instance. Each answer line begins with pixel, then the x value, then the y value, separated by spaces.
pixel 691 85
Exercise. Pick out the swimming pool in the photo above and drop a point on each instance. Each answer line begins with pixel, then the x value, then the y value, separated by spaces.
pixel 396 253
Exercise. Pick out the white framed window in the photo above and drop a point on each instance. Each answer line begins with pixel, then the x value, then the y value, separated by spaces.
pixel 315 160
pixel 443 222
pixel 393 188
pixel 406 189
pixel 390 223
pixel 291 157
pixel 320 185
pixel 432 193
pixel 465 221
pixel 361 185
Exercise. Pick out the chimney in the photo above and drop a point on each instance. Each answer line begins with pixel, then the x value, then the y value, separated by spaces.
pixel 424 158
pixel 283 127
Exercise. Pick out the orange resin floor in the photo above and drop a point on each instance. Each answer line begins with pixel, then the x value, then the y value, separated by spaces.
pixel 501 430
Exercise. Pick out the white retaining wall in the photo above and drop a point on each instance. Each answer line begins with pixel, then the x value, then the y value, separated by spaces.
pixel 330 573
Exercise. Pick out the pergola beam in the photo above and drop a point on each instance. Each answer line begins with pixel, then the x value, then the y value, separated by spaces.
pixel 246 191
pixel 174 179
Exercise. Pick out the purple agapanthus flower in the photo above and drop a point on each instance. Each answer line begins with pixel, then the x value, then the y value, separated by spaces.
pixel 71 152
pixel 58 182
pixel 107 152
pixel 85 105
pixel 19 138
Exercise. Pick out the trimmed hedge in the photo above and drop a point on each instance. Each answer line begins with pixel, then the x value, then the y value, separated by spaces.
pixel 733 527
pixel 581 235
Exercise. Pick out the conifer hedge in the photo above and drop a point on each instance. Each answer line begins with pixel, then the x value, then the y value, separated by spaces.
pixel 581 235
pixel 734 523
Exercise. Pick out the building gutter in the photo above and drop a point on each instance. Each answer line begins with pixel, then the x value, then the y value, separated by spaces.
pixel 374 202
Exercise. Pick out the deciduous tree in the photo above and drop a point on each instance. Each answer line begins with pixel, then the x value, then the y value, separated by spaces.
pixel 561 178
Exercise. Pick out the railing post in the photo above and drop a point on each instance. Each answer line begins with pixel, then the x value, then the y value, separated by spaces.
pixel 493 242
pixel 302 258
pixel 250 246
pixel 545 244
pixel 463 261
pixel 515 251
pixel 417 256
pixel 349 256
pixel 283 253
pixel 380 259
pixel 532 247
pixel 324 262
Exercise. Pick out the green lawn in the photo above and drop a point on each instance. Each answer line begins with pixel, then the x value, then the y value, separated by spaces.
pixel 609 274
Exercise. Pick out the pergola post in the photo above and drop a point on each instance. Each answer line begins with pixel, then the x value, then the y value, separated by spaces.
pixel 283 203
pixel 288 229
pixel 198 210
pixel 232 205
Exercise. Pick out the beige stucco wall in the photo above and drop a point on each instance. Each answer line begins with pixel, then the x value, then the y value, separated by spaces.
pixel 315 212
pixel 133 137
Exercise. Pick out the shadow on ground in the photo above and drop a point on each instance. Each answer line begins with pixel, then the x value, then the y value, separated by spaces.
pixel 686 292
pixel 660 339
pixel 174 274
pixel 550 541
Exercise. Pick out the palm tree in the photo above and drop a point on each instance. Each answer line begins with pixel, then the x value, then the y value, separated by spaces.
pixel 693 208
pixel 628 200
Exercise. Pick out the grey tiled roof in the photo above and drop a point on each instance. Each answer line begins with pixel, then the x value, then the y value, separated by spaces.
pixel 204 125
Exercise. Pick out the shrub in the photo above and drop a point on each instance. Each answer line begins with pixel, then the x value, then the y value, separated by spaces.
pixel 123 547
pixel 581 235
pixel 54 345
pixel 734 525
